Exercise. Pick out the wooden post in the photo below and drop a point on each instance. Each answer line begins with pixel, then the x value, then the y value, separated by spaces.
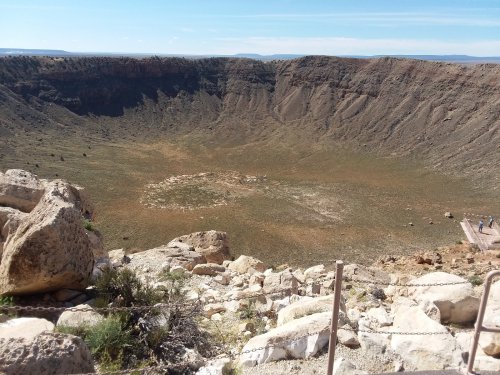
pixel 339 267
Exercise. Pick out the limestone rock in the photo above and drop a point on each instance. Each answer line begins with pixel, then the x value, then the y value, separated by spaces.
pixel 213 308
pixel 24 328
pixel 209 269
pixel 97 245
pixel 417 350
pixel 374 344
pixel 316 325
pixel 244 263
pixel 283 281
pixel 308 307
pixel 343 366
pixel 347 337
pixel 10 218
pixel 380 316
pixel 213 245
pixel 48 353
pixel 315 272
pixel 221 366
pixel 456 303
pixel 20 189
pixel 159 257
pixel 50 249
pixel 489 341
pixel 79 318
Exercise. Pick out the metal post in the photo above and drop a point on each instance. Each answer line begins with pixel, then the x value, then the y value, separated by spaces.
pixel 479 322
pixel 339 267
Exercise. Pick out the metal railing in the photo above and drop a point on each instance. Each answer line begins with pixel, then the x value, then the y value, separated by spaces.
pixel 479 327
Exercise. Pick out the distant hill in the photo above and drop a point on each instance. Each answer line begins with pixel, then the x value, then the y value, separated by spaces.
pixel 461 59
pixel 33 52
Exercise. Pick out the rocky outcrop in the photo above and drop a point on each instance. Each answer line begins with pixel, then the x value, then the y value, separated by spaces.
pixel 20 190
pixel 416 350
pixel 456 303
pixel 245 263
pixel 308 307
pixel 213 245
pixel 322 95
pixel 49 248
pixel 164 258
pixel 290 340
pixel 45 354
pixel 79 316
pixel 24 328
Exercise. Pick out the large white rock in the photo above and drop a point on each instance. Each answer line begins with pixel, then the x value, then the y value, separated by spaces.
pixel 20 189
pixel 456 303
pixel 301 338
pixel 49 250
pixel 24 328
pixel 213 245
pixel 48 353
pixel 79 318
pixel 283 281
pixel 162 257
pixel 308 307
pixel 379 316
pixel 372 343
pixel 244 263
pixel 208 269
pixel 420 352
pixel 489 341
pixel 314 272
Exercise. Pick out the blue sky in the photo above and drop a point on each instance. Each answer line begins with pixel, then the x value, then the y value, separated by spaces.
pixel 329 27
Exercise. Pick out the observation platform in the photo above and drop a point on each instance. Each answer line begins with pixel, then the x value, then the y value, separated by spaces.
pixel 489 239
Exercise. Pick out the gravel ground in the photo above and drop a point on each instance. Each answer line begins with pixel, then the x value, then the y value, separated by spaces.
pixel 318 365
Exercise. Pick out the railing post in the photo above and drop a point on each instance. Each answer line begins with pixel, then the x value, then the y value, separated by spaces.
pixel 339 267
pixel 479 321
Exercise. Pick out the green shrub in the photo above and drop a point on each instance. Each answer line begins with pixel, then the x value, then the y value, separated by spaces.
pixel 87 224
pixel 124 288
pixel 475 280
pixel 6 301
pixel 108 339
pixel 174 290
pixel 80 331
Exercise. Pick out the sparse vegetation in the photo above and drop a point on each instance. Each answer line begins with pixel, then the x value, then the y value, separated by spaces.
pixel 88 225
pixel 475 280
pixel 157 335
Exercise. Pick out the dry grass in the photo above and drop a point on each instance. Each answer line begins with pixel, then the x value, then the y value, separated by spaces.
pixel 318 204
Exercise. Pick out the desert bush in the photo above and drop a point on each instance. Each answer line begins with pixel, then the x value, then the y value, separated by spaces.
pixel 108 339
pixel 475 280
pixel 87 224
pixel 124 288
pixel 157 335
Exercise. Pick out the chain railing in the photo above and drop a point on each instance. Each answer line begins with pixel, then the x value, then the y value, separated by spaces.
pixel 199 302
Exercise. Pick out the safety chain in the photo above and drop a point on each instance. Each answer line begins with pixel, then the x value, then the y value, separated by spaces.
pixel 400 332
pixel 222 300
pixel 281 291
pixel 96 309
pixel 364 281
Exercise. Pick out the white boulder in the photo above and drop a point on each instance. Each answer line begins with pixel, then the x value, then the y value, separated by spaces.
pixel 300 338
pixel 456 303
